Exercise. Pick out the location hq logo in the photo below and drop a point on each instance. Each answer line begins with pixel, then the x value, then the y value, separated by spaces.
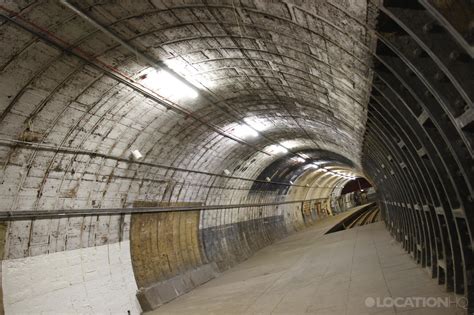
pixel 416 301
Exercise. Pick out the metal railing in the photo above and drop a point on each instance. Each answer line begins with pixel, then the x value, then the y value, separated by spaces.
pixel 66 213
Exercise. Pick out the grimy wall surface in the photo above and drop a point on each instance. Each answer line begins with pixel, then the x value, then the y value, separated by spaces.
pixel 74 103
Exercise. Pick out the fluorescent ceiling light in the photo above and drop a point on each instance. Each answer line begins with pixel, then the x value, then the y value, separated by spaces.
pixel 304 156
pixel 298 159
pixel 244 131
pixel 308 166
pixel 275 149
pixel 166 83
pixel 291 144
pixel 179 65
pixel 256 123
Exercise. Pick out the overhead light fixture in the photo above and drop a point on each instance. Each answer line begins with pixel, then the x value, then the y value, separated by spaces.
pixel 304 156
pixel 291 182
pixel 268 179
pixel 227 172
pixel 136 155
pixel 256 123
pixel 168 83
pixel 275 149
pixel 244 131
pixel 298 159
pixel 291 144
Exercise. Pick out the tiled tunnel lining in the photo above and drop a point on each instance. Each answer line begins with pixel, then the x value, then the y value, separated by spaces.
pixel 79 106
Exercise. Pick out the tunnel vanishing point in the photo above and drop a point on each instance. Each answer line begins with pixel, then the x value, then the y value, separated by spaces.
pixel 150 146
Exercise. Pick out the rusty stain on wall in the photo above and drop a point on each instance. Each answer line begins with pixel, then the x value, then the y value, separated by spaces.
pixel 164 245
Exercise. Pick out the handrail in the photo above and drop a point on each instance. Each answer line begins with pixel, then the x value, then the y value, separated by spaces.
pixel 66 213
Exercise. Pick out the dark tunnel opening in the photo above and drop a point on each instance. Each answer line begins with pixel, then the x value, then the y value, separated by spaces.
pixel 358 184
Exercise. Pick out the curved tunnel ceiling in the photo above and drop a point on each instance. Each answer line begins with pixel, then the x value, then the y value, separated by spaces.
pixel 247 59
pixel 290 168
pixel 89 82
pixel 115 105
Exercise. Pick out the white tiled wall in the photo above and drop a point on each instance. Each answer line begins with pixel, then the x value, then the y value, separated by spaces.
pixel 89 280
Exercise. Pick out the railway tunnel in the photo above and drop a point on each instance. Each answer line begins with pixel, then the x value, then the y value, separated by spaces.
pixel 149 148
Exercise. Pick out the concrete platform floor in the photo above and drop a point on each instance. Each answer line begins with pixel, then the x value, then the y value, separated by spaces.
pixel 310 272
